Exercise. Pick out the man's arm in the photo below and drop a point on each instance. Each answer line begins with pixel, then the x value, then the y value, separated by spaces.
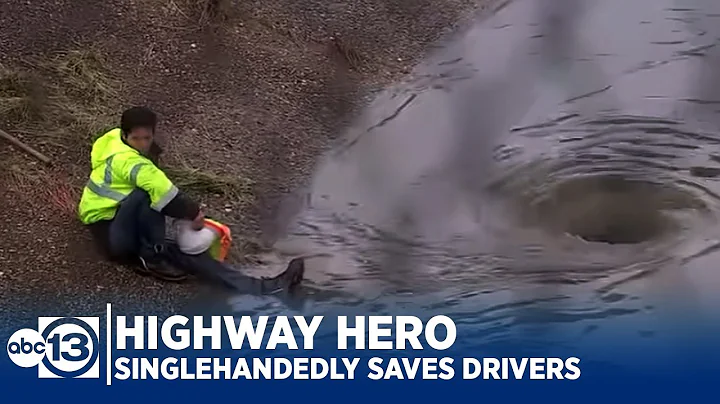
pixel 165 197
pixel 182 207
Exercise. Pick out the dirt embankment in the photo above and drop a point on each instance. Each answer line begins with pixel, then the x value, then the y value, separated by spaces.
pixel 249 92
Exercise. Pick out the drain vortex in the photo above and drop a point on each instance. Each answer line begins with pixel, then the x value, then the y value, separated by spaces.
pixel 612 180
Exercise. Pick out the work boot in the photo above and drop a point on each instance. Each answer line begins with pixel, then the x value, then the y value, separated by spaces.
pixel 287 280
pixel 155 265
pixel 162 270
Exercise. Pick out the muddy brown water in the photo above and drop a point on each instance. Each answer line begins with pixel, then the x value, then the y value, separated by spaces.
pixel 554 167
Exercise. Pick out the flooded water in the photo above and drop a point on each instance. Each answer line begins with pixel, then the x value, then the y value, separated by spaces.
pixel 554 167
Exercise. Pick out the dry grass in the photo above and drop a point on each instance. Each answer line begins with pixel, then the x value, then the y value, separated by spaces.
pixel 69 95
pixel 199 12
pixel 18 95
pixel 348 52
pixel 61 101
pixel 200 182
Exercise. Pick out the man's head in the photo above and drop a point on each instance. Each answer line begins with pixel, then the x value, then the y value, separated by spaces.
pixel 138 128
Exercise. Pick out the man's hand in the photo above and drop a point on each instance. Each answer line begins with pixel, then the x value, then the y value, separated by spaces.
pixel 199 222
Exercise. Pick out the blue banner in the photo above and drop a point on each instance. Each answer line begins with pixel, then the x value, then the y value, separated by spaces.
pixel 349 355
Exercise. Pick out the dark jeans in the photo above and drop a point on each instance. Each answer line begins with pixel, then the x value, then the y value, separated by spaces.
pixel 206 267
pixel 138 230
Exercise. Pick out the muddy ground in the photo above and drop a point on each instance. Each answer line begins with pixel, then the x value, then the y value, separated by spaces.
pixel 249 92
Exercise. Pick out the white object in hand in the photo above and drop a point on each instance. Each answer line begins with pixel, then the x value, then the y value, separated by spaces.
pixel 194 242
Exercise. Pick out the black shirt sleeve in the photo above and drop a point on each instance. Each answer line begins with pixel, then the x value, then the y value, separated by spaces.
pixel 182 207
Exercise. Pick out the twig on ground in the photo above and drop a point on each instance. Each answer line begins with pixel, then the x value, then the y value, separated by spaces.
pixel 45 159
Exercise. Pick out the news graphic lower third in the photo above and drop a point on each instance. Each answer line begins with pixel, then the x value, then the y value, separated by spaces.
pixel 352 356
pixel 139 348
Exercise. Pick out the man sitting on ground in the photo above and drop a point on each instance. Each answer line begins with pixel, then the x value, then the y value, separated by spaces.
pixel 126 199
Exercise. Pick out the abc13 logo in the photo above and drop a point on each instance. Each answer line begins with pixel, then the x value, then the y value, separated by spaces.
pixel 62 347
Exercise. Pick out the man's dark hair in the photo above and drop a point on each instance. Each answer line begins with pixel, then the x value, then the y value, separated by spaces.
pixel 137 117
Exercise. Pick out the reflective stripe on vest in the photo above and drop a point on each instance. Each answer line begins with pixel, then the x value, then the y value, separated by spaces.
pixel 103 189
pixel 163 202
pixel 134 172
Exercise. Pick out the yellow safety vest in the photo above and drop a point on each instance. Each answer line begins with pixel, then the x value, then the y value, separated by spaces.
pixel 117 170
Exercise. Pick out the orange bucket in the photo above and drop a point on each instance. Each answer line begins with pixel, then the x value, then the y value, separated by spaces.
pixel 220 248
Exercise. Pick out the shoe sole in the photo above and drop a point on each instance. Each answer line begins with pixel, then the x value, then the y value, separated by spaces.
pixel 176 279
pixel 144 271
